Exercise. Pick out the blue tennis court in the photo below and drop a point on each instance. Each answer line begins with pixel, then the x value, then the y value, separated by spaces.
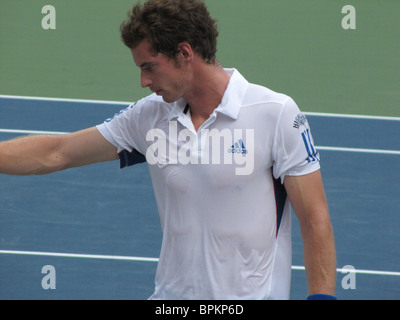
pixel 98 225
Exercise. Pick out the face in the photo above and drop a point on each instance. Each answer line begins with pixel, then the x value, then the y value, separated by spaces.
pixel 162 75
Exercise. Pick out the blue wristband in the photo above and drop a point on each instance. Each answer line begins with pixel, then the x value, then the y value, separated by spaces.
pixel 321 297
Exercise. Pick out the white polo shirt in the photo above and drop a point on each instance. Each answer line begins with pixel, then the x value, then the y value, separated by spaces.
pixel 223 209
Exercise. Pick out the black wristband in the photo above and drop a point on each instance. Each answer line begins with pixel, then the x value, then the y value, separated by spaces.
pixel 321 297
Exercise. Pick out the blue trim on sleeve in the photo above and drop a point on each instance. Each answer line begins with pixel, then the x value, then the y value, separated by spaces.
pixel 128 159
pixel 280 200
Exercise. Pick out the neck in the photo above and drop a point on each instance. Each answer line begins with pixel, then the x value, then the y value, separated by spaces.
pixel 207 89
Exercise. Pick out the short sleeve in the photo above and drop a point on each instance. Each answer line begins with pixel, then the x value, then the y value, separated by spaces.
pixel 294 152
pixel 122 131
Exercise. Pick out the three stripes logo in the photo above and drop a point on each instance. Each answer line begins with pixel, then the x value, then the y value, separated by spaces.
pixel 311 151
pixel 238 147
pixel 301 121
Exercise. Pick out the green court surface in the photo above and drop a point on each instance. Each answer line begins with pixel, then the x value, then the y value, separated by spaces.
pixel 295 47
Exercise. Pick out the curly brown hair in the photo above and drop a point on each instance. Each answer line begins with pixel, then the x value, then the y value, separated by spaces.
pixel 167 23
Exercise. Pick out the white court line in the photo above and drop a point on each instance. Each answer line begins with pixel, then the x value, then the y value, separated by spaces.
pixel 352 116
pixel 31 132
pixel 143 259
pixel 65 100
pixel 360 150
pixel 76 255
pixel 339 149
pixel 370 272
pixel 321 114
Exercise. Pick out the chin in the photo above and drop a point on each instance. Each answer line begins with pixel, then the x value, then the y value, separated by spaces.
pixel 168 99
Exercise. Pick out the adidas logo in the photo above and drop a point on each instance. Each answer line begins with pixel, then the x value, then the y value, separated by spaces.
pixel 238 147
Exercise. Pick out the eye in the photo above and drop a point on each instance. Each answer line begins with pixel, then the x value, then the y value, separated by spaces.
pixel 148 67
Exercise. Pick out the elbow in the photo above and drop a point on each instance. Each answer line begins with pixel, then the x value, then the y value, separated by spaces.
pixel 318 223
pixel 55 159
pixel 53 163
pixel 52 160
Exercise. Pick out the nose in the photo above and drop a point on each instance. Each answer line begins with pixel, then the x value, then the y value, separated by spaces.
pixel 145 81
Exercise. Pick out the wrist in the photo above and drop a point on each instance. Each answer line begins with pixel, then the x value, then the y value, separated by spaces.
pixel 320 296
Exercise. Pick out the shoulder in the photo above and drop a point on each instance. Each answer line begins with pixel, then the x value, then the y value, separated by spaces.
pixel 150 107
pixel 257 94
pixel 150 104
pixel 268 103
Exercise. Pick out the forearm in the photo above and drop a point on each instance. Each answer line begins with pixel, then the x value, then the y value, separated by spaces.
pixel 30 155
pixel 307 196
pixel 319 257
pixel 50 153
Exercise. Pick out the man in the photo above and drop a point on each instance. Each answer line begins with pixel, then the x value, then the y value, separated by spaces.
pixel 225 157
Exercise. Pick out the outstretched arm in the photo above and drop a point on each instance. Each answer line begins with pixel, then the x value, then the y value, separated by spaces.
pixel 307 196
pixel 44 154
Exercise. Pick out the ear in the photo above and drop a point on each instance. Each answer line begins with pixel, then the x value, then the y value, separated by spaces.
pixel 186 51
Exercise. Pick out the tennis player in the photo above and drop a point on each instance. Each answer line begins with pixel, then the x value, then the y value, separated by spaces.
pixel 226 232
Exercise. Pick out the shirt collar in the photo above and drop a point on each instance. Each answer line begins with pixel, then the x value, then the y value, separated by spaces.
pixel 177 109
pixel 231 101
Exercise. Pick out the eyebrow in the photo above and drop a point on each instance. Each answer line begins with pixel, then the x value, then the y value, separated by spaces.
pixel 146 64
